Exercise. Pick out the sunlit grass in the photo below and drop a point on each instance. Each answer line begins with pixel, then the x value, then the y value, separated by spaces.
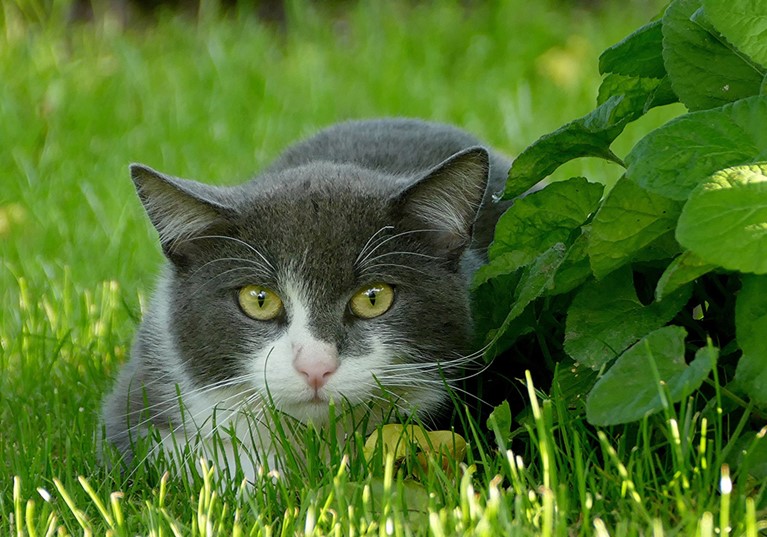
pixel 216 98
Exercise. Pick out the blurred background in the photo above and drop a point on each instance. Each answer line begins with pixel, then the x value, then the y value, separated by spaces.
pixel 214 91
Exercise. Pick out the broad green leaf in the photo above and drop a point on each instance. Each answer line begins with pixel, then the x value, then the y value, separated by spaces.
pixel 743 23
pixel 588 136
pixel 535 280
pixel 501 265
pixel 704 69
pixel 575 269
pixel 685 268
pixel 538 221
pixel 629 220
pixel 630 390
pixel 725 220
pixel 663 248
pixel 572 382
pixel 677 157
pixel 606 317
pixel 491 302
pixel 638 55
pixel 751 328
pixel 640 94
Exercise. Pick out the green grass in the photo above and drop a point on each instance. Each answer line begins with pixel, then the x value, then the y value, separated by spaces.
pixel 216 98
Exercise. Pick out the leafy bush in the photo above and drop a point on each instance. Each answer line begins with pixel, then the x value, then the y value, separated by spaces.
pixel 642 294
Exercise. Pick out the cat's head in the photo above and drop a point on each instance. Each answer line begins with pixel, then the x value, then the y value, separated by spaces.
pixel 321 282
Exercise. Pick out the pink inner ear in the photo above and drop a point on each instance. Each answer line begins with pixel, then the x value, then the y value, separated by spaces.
pixel 316 361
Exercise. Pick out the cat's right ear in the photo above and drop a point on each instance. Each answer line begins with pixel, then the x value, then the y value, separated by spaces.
pixel 179 209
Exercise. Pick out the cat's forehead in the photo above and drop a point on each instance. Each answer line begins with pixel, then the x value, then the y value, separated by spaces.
pixel 319 225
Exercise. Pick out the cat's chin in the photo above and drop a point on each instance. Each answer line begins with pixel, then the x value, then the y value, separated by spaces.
pixel 316 411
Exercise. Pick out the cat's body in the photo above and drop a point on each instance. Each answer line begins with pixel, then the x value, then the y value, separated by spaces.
pixel 340 273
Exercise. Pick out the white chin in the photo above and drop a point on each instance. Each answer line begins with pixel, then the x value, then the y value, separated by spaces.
pixel 316 412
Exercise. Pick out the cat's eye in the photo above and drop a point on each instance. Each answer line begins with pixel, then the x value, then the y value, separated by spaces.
pixel 259 302
pixel 372 300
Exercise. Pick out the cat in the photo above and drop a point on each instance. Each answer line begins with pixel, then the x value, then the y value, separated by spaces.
pixel 340 273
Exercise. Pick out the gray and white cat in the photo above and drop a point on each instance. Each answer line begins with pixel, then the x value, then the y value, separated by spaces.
pixel 340 273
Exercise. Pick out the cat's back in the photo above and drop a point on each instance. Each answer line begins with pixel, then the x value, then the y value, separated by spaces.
pixel 397 146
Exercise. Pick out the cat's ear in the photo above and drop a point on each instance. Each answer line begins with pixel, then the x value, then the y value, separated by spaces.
pixel 179 209
pixel 446 200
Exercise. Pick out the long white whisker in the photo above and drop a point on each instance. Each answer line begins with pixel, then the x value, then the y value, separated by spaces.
pixel 239 241
pixel 387 239
pixel 251 262
pixel 372 237
pixel 369 268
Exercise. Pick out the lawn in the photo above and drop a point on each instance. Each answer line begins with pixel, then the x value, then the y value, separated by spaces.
pixel 215 96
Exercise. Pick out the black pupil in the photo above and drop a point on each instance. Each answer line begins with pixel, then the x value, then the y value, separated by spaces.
pixel 261 297
pixel 372 294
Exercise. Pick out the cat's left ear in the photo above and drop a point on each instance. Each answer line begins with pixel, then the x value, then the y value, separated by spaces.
pixel 446 200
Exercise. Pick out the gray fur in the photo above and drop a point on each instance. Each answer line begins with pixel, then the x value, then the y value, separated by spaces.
pixel 399 201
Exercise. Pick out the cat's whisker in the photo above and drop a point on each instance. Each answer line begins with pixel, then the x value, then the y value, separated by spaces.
pixel 204 390
pixel 242 242
pixel 220 275
pixel 301 236
pixel 199 440
pixel 370 240
pixel 369 268
pixel 411 383
pixel 361 263
pixel 250 262
pixel 423 362
pixel 403 252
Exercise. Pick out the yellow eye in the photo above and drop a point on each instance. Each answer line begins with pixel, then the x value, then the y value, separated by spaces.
pixel 260 303
pixel 372 300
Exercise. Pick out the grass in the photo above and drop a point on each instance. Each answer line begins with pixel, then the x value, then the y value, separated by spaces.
pixel 216 98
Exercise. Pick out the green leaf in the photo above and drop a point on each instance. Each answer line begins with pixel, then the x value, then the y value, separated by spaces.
pixel 575 269
pixel 750 328
pixel 499 422
pixel 638 55
pixel 491 302
pixel 535 280
pixel 538 221
pixel 606 317
pixel 749 454
pixel 588 136
pixel 629 220
pixel 501 265
pixel 630 389
pixel 685 268
pixel 677 157
pixel 705 70
pixel 572 382
pixel 640 94
pixel 743 23
pixel 725 220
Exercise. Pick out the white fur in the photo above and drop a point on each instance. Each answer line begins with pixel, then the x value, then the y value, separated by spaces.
pixel 274 376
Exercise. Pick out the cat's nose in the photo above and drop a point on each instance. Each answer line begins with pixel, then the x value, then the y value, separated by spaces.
pixel 317 373
pixel 316 362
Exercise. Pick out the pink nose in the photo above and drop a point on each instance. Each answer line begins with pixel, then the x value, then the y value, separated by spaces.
pixel 316 361
pixel 317 372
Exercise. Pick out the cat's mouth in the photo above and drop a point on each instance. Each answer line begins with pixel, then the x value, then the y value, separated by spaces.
pixel 317 399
